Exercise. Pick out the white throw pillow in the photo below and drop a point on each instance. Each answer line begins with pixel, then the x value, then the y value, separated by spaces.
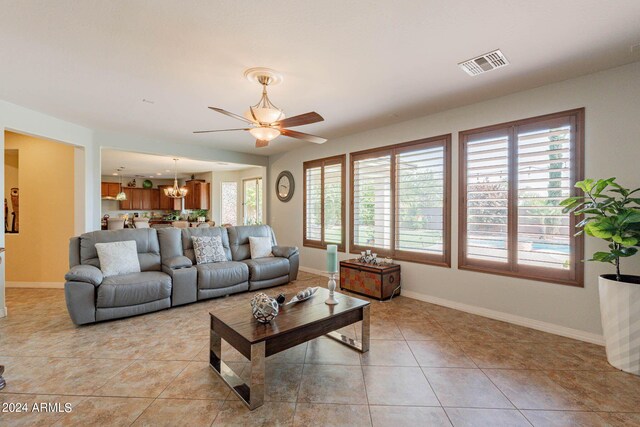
pixel 260 247
pixel 118 258
pixel 208 249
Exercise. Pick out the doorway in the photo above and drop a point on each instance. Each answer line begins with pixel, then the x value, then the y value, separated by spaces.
pixel 252 201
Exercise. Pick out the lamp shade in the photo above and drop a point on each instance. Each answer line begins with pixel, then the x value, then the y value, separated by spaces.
pixel 264 133
pixel 264 115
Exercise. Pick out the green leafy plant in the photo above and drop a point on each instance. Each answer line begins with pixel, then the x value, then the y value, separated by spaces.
pixel 610 213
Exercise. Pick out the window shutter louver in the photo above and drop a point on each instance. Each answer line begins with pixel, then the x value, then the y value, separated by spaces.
pixel 400 197
pixel 420 200
pixel 512 179
pixel 487 197
pixel 544 179
pixel 314 204
pixel 372 202
pixel 324 208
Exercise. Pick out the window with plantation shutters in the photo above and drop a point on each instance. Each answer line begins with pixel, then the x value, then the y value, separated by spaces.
pixel 400 201
pixel 512 179
pixel 323 205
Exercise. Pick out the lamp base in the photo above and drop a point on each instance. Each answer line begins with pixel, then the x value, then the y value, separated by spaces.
pixel 332 287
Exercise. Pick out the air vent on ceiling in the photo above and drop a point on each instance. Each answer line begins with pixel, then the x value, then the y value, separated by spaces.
pixel 483 63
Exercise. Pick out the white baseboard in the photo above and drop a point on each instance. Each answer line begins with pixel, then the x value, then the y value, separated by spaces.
pixel 314 271
pixel 3 312
pixel 497 315
pixel 36 285
pixel 510 318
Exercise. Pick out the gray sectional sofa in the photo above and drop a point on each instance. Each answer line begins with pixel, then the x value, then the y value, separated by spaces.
pixel 169 274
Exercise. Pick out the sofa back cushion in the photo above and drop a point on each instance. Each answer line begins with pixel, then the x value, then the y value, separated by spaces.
pixel 187 241
pixel 146 240
pixel 239 239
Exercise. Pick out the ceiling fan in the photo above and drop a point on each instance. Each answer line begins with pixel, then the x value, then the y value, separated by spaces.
pixel 265 119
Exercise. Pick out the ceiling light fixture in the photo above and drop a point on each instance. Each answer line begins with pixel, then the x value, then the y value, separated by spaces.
pixel 175 192
pixel 121 196
pixel 266 121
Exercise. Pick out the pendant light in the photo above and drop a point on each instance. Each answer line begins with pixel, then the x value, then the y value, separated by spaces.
pixel 175 192
pixel 121 196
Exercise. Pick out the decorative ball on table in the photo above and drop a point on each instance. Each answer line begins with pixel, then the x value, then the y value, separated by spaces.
pixel 332 269
pixel 264 308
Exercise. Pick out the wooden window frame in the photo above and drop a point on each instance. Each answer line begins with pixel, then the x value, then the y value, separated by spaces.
pixel 326 161
pixel 443 260
pixel 575 276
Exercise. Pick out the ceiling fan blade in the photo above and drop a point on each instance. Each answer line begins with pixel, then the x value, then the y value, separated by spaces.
pixel 218 130
pixel 302 119
pixel 230 114
pixel 303 136
pixel 261 143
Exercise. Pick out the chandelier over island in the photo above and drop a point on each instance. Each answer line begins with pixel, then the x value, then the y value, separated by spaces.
pixel 175 192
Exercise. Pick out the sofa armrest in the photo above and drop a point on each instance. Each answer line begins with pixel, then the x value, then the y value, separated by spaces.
pixel 84 273
pixel 177 262
pixel 284 251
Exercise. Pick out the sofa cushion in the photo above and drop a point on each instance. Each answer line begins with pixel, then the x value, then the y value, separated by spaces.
pixel 221 274
pixel 134 288
pixel 267 268
pixel 208 249
pixel 146 240
pixel 118 258
pixel 260 247
pixel 187 240
pixel 239 239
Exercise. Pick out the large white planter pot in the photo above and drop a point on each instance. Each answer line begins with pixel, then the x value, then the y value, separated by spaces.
pixel 620 311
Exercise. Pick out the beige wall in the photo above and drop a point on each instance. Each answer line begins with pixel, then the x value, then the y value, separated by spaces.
pixel 39 253
pixel 612 102
pixel 10 179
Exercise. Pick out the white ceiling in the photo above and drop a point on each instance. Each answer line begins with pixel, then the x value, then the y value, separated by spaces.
pixel 359 63
pixel 150 165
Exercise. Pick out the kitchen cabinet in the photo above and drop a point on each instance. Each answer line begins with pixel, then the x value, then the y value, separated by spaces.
pixel 148 199
pixel 126 205
pixel 167 203
pixel 109 189
pixel 198 194
pixel 155 199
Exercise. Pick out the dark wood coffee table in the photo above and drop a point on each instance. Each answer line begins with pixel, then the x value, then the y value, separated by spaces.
pixel 296 324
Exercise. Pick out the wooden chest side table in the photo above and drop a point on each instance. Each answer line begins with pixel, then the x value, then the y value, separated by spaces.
pixel 375 281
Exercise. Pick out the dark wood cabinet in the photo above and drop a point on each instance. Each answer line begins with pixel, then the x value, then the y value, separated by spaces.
pixel 126 205
pixel 167 203
pixel 155 199
pixel 198 194
pixel 148 199
pixel 109 189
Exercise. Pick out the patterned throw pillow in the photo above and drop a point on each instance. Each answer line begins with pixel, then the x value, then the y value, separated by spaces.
pixel 260 247
pixel 208 249
pixel 118 258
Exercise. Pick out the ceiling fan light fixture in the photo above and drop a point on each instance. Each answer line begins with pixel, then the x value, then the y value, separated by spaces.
pixel 264 133
pixel 266 115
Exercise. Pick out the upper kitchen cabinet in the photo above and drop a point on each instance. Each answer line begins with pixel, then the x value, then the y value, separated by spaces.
pixel 197 195
pixel 109 190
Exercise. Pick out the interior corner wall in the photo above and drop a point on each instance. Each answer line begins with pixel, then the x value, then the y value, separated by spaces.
pixel 612 102
pixel 38 252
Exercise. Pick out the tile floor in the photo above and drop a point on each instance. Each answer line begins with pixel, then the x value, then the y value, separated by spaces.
pixel 428 365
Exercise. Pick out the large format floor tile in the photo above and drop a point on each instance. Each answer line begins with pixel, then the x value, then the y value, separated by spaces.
pixel 427 365
pixel 468 388
pixel 331 415
pixel 398 386
pixel 395 416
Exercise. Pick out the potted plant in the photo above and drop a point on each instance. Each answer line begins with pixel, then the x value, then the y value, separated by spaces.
pixel 612 213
